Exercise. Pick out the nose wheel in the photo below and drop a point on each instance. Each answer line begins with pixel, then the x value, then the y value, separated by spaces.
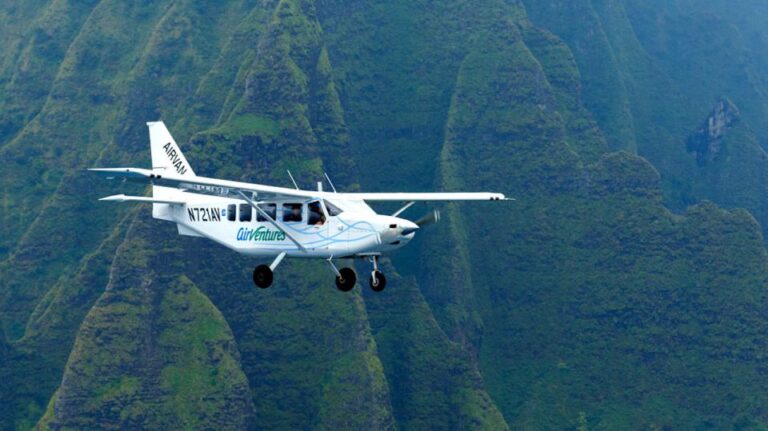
pixel 377 281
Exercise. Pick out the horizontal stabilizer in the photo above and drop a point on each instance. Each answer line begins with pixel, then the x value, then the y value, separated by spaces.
pixel 129 173
pixel 124 198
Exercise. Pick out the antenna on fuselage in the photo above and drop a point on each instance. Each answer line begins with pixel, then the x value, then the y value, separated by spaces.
pixel 330 182
pixel 292 180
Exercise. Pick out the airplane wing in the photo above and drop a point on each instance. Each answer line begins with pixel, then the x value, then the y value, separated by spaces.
pixel 417 197
pixel 202 184
pixel 225 187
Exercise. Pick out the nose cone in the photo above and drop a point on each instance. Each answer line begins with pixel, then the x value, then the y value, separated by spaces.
pixel 408 227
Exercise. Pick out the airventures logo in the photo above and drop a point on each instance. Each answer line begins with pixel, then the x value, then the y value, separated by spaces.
pixel 260 234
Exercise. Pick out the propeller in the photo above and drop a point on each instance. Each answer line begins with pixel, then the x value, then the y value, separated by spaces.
pixel 429 218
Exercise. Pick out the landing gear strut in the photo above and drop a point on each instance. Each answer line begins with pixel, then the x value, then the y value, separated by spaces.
pixel 345 277
pixel 377 281
pixel 263 274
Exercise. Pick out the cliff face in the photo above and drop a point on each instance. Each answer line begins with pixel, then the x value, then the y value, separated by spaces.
pixel 152 352
pixel 651 71
pixel 585 302
pixel 707 141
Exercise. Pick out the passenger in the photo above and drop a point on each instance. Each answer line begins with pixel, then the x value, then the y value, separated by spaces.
pixel 292 213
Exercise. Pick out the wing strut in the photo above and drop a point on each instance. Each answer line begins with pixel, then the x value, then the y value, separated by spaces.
pixel 404 207
pixel 330 182
pixel 292 180
pixel 274 222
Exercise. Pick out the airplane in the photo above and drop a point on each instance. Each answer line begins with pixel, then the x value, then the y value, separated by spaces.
pixel 277 222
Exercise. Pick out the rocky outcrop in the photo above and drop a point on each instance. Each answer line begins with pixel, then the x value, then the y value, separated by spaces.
pixel 706 142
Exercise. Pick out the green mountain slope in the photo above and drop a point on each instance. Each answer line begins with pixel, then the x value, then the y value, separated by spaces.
pixel 585 303
pixel 153 352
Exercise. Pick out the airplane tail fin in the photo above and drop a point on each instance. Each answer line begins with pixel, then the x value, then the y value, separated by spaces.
pixel 167 158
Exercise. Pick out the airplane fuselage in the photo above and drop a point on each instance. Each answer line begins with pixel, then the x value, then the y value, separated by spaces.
pixel 353 229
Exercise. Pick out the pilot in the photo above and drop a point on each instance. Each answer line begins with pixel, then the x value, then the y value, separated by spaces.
pixel 316 216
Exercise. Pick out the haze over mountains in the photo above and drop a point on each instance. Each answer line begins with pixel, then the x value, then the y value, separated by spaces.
pixel 624 289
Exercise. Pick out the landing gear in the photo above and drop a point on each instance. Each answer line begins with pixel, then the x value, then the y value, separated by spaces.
pixel 377 281
pixel 262 276
pixel 346 279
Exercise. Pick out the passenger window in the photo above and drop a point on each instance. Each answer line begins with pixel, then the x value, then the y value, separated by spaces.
pixel 316 216
pixel 291 212
pixel 231 212
pixel 333 210
pixel 270 209
pixel 245 212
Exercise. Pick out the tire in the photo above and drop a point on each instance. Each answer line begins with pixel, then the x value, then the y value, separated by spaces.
pixel 347 280
pixel 262 276
pixel 377 281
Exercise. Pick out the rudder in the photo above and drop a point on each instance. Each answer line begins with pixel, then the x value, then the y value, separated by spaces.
pixel 166 155
pixel 167 159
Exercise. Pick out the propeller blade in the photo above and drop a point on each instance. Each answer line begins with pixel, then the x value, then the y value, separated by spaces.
pixel 431 217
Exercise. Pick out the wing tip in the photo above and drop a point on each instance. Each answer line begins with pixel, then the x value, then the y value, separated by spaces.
pixel 500 197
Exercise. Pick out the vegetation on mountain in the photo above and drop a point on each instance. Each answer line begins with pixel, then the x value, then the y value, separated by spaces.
pixel 623 289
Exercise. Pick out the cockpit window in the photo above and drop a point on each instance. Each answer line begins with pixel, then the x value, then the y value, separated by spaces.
pixel 316 215
pixel 291 212
pixel 270 209
pixel 333 210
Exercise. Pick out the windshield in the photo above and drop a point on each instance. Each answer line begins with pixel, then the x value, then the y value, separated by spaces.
pixel 333 210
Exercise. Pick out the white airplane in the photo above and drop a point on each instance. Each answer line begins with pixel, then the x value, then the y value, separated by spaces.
pixel 276 222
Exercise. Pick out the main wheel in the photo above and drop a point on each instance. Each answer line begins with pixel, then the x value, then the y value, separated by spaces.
pixel 378 281
pixel 262 276
pixel 346 281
